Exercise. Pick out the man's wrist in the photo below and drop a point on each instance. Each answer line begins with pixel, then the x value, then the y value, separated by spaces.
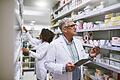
pixel 90 57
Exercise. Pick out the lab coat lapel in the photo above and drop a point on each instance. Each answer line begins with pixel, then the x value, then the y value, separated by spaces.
pixel 77 45
pixel 64 45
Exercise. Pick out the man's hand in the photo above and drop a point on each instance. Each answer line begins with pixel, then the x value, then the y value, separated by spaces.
pixel 94 51
pixel 70 67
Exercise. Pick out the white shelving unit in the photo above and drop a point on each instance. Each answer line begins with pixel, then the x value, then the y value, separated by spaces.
pixel 28 63
pixel 83 4
pixel 10 40
pixel 107 66
pixel 104 47
pixel 18 39
pixel 99 12
pixel 62 6
pixel 102 28
pixel 104 65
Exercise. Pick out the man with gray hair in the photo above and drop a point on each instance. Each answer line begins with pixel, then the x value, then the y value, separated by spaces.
pixel 65 51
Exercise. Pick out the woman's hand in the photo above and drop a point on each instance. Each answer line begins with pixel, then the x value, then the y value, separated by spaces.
pixel 25 29
pixel 95 51
pixel 25 50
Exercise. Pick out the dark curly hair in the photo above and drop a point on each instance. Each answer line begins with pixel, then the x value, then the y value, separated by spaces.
pixel 46 35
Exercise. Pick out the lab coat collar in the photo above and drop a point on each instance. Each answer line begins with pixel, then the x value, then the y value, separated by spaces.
pixel 64 44
pixel 63 41
pixel 67 41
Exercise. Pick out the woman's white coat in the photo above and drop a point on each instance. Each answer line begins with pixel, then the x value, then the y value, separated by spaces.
pixel 39 55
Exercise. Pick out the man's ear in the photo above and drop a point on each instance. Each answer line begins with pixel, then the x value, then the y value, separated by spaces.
pixel 64 30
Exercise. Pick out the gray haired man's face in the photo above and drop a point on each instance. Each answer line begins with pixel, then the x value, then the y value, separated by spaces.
pixel 70 30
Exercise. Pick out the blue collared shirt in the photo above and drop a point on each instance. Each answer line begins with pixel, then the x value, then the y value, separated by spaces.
pixel 73 51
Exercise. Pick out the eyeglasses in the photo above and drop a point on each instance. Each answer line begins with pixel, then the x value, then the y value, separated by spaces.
pixel 70 26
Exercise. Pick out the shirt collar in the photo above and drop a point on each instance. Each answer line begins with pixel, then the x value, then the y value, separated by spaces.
pixel 68 43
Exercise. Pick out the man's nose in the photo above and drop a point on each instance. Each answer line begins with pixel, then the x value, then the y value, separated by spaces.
pixel 75 27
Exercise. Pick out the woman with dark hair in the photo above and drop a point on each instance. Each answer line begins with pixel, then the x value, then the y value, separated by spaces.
pixel 46 35
pixel 42 44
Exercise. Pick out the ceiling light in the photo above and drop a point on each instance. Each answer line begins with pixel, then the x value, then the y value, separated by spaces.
pixel 42 4
pixel 33 21
pixel 32 24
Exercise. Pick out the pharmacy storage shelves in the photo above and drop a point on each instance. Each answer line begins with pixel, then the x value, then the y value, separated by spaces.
pixel 107 66
pixel 104 47
pixel 28 63
pixel 83 4
pixel 91 76
pixel 18 11
pixel 104 65
pixel 18 39
pixel 28 69
pixel 18 53
pixel 18 18
pixel 99 12
pixel 62 6
pixel 101 28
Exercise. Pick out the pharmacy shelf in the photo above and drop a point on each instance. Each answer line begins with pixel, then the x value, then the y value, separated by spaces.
pixel 89 45
pixel 99 12
pixel 62 6
pixel 56 2
pixel 111 48
pixel 55 25
pixel 17 53
pixel 26 56
pixel 18 46
pixel 28 62
pixel 104 47
pixel 18 40
pixel 18 12
pixel 28 68
pixel 115 60
pixel 112 59
pixel 18 17
pixel 19 21
pixel 20 1
pixel 74 8
pixel 101 29
pixel 107 66
pixel 18 71
pixel 91 14
pixel 90 76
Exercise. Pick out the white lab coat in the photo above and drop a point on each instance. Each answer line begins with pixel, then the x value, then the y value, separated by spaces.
pixel 58 56
pixel 40 54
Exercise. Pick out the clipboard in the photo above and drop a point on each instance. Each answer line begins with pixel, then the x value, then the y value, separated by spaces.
pixel 80 62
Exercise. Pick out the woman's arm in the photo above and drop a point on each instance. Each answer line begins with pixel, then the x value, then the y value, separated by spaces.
pixel 33 41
